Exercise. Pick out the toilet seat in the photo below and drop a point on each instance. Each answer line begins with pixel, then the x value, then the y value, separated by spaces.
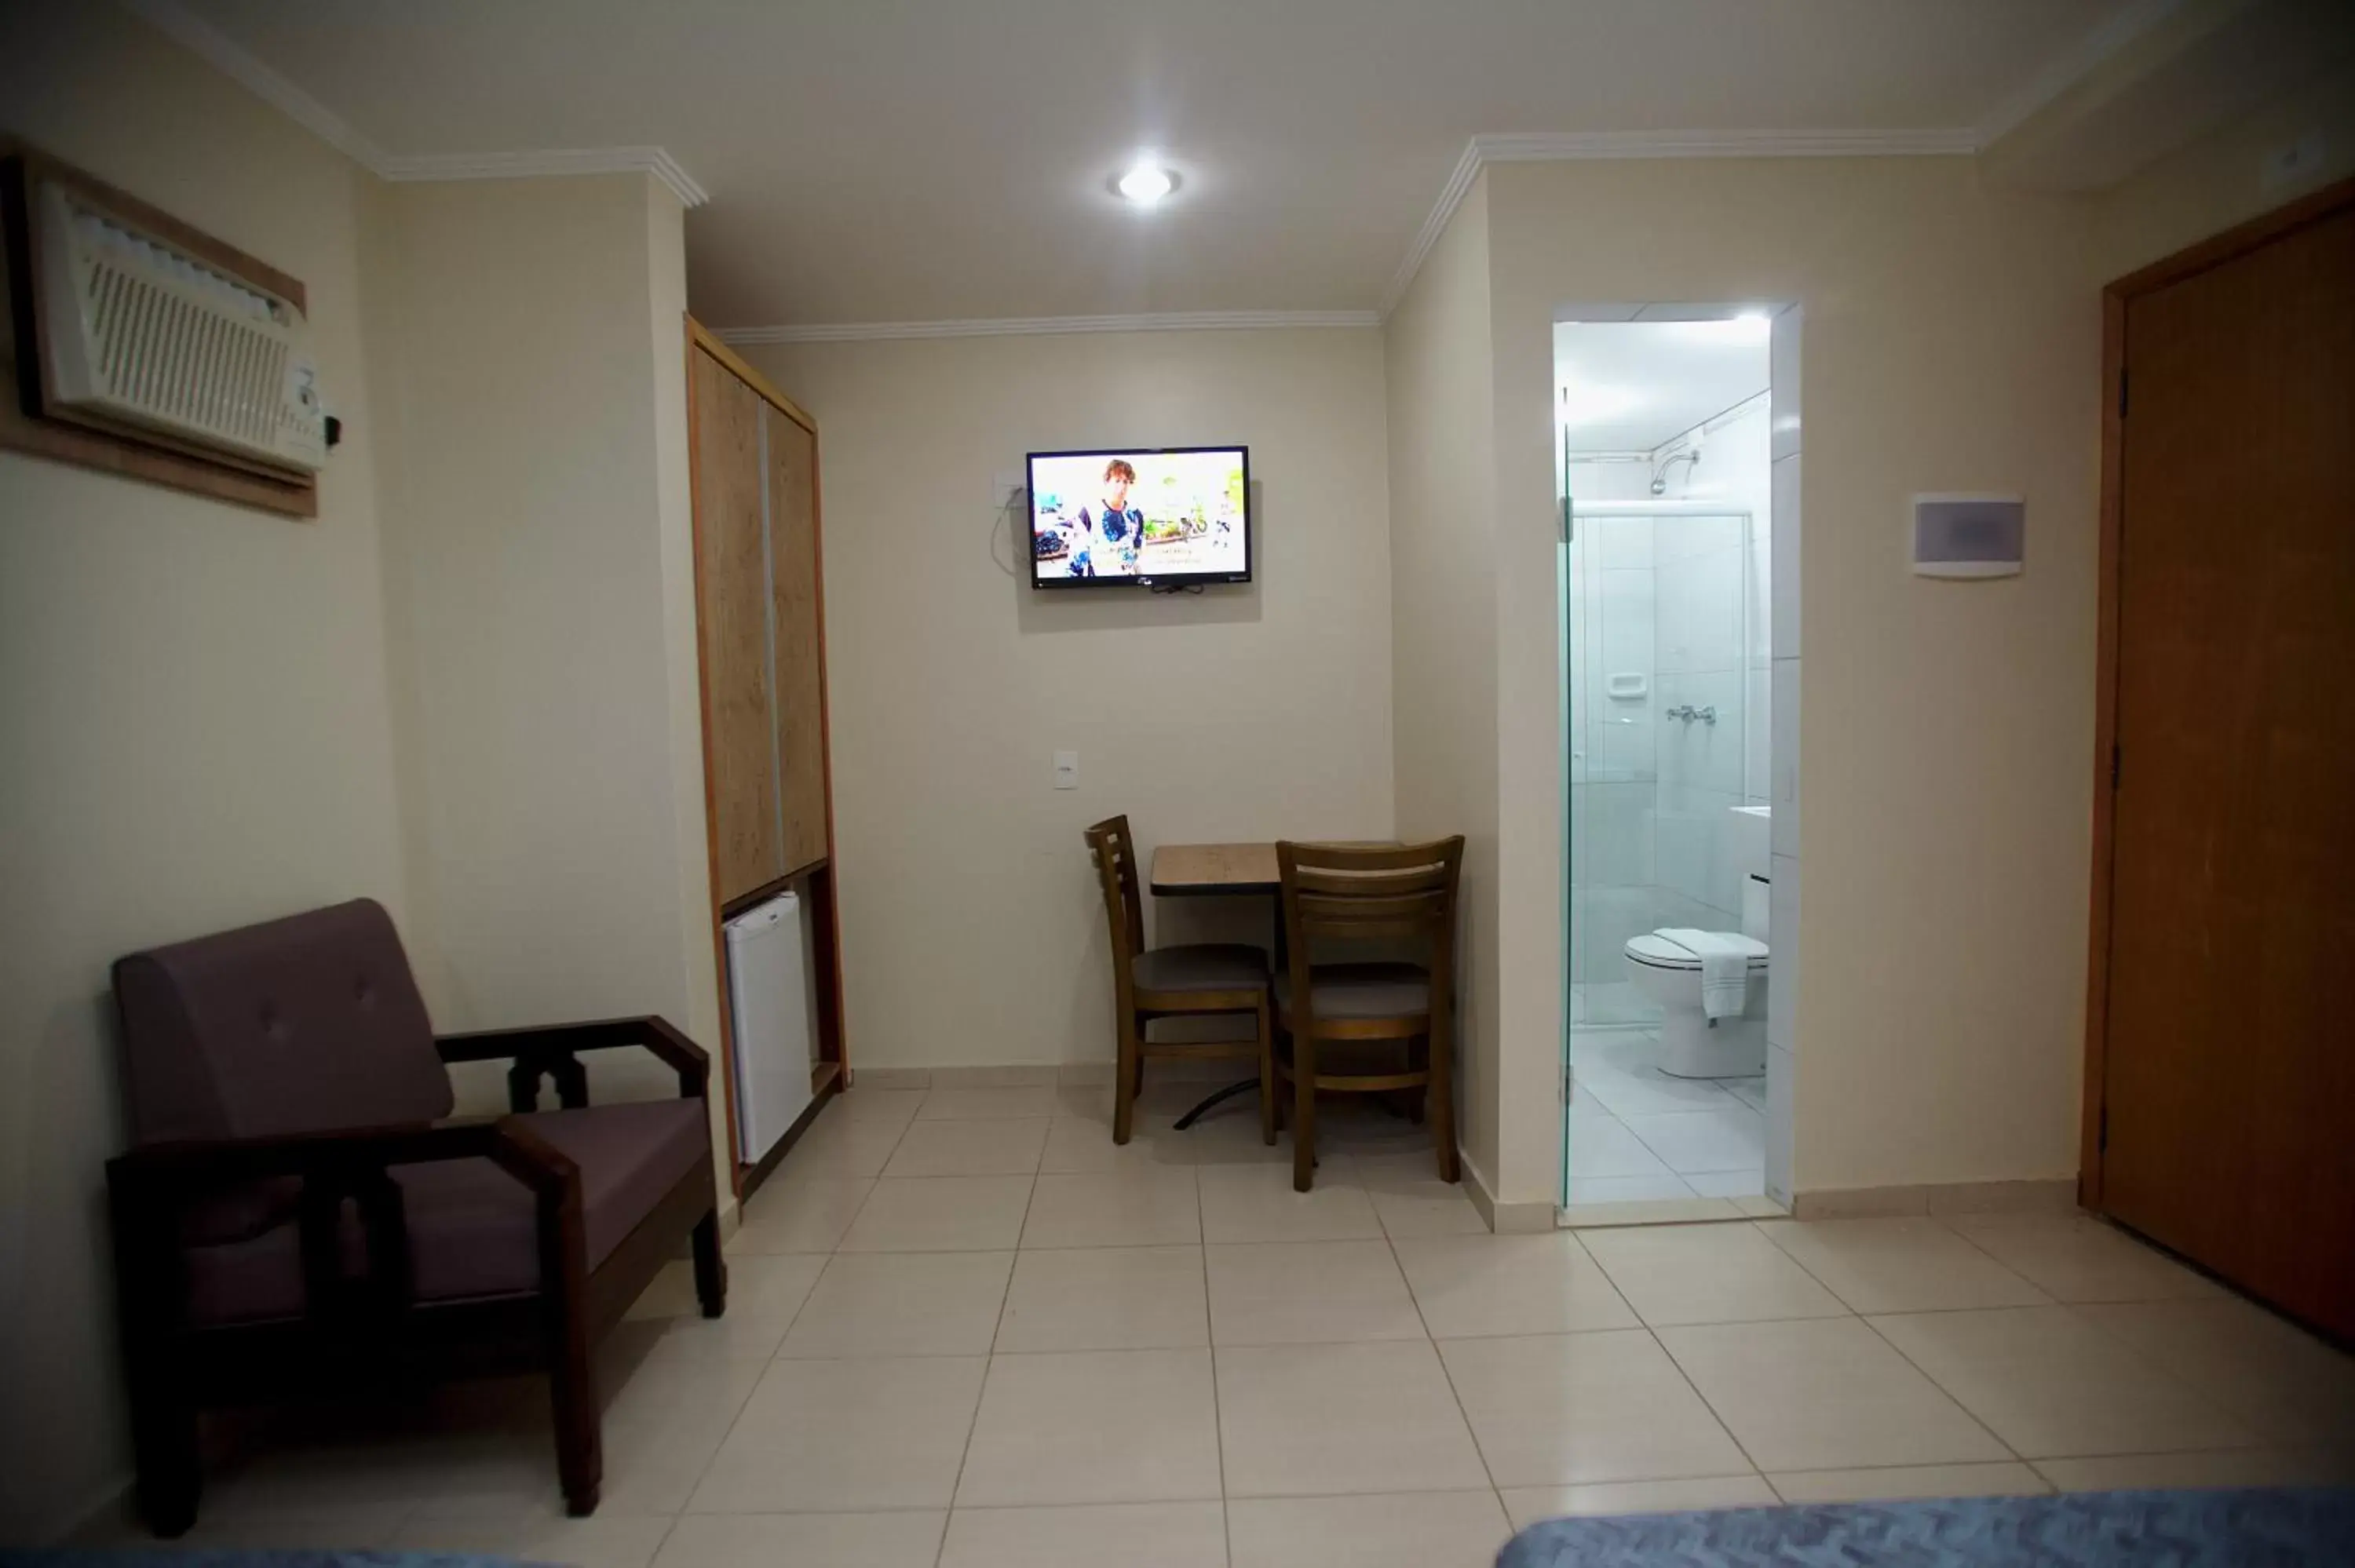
pixel 1654 951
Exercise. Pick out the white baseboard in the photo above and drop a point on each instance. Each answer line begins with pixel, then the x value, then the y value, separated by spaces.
pixel 1504 1219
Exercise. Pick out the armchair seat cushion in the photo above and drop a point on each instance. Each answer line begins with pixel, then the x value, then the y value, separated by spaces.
pixel 1355 991
pixel 1203 967
pixel 472 1226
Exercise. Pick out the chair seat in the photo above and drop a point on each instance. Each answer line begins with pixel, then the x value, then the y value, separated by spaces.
pixel 1360 992
pixel 1204 967
pixel 472 1226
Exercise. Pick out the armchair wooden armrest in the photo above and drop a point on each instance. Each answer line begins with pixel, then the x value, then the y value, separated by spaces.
pixel 550 1049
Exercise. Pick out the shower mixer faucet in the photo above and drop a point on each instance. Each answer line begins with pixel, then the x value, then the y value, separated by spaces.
pixel 1688 713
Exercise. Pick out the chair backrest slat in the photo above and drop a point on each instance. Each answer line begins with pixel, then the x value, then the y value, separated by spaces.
pixel 1114 853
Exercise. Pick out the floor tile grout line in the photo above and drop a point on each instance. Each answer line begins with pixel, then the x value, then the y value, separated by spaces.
pixel 1454 1392
pixel 1217 1412
pixel 1951 1397
pixel 1714 1413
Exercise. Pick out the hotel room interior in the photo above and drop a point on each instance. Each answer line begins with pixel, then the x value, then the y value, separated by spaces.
pixel 931 786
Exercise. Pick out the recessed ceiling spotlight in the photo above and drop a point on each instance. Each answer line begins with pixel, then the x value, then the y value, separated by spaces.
pixel 1146 184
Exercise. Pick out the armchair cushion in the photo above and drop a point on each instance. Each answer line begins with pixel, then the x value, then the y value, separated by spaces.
pixel 470 1225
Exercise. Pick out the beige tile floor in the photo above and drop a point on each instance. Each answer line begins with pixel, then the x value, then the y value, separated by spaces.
pixel 965 1330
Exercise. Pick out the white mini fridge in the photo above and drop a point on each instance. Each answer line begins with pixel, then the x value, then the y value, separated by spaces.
pixel 769 1009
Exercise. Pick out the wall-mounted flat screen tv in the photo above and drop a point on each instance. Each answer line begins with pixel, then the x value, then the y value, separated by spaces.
pixel 1140 516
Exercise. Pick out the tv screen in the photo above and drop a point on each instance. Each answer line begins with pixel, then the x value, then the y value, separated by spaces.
pixel 1145 516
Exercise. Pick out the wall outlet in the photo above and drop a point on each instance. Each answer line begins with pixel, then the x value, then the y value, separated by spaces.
pixel 1067 770
pixel 2293 161
pixel 1006 489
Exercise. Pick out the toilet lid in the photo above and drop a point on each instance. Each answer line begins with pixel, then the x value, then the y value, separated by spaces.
pixel 1659 951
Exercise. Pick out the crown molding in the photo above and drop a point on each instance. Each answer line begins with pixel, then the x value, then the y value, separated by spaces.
pixel 553 162
pixel 233 60
pixel 1585 145
pixel 207 43
pixel 1450 197
pixel 1024 326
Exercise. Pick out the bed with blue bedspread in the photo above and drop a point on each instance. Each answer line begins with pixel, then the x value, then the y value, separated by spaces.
pixel 2249 1528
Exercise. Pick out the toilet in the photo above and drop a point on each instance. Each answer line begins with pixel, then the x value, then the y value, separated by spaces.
pixel 1670 976
pixel 1690 1047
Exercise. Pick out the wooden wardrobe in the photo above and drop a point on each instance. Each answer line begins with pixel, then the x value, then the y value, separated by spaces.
pixel 760 630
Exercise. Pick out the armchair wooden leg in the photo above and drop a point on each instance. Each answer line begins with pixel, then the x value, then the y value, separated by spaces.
pixel 1267 1087
pixel 1303 1113
pixel 710 1267
pixel 1126 1070
pixel 164 1441
pixel 579 1442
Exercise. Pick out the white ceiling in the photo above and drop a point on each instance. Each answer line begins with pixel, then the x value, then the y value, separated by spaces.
pixel 918 160
pixel 1631 385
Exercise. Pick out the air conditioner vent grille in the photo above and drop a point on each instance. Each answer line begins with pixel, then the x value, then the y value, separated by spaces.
pixel 139 330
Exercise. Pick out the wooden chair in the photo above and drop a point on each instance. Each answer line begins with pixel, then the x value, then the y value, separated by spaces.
pixel 1170 982
pixel 1395 1021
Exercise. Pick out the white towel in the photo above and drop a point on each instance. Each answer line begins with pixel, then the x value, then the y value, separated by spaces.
pixel 1724 969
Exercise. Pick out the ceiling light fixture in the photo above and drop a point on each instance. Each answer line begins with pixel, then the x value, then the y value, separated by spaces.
pixel 1146 184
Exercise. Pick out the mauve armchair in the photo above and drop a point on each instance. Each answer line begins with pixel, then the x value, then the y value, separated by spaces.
pixel 298 1214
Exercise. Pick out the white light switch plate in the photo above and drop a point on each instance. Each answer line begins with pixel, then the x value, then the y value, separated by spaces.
pixel 1067 770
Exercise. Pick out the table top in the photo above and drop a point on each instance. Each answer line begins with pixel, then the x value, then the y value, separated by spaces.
pixel 1201 870
pixel 1181 871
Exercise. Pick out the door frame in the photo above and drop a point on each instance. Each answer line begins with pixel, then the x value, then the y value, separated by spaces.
pixel 2213 252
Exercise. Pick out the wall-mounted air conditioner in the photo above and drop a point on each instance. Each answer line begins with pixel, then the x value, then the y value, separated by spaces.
pixel 138 331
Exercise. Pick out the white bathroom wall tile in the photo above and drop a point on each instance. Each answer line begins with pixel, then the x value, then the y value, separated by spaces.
pixel 1617 543
pixel 1680 847
pixel 1695 754
pixel 1789 524
pixel 1758 581
pixel 1758 737
pixel 1626 747
pixel 1611 834
pixel 1699 621
pixel 1781 1079
pixel 1783 950
pixel 1786 768
pixel 1621 606
pixel 1679 538
pixel 1782 370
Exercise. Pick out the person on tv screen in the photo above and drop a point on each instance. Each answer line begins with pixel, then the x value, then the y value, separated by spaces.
pixel 1111 532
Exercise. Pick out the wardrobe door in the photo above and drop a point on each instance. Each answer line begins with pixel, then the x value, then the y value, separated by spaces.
pixel 732 564
pixel 799 681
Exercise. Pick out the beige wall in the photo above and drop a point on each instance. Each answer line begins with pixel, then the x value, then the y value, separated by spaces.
pixel 193 729
pixel 1443 599
pixel 538 566
pixel 2218 182
pixel 1952 343
pixel 972 932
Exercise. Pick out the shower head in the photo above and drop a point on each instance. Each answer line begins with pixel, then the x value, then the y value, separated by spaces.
pixel 1690 455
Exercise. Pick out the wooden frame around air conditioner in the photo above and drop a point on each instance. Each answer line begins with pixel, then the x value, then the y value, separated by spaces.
pixel 26 423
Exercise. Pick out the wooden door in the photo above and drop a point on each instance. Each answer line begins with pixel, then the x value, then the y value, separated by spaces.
pixel 2228 1060
pixel 799 681
pixel 733 618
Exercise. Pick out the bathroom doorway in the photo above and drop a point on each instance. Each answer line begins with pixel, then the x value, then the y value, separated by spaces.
pixel 1664 457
